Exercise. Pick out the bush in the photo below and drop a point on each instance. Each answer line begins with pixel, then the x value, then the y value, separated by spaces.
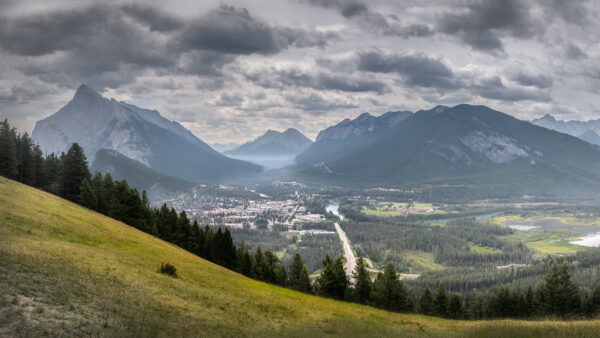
pixel 168 269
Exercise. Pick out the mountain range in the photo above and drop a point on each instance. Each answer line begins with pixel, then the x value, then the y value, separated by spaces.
pixel 347 135
pixel 273 143
pixel 139 134
pixel 464 144
pixel 223 147
pixel 588 131
pixel 273 149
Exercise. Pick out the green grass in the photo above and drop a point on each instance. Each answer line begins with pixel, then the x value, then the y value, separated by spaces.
pixel 564 218
pixel 483 249
pixel 421 261
pixel 67 271
pixel 546 242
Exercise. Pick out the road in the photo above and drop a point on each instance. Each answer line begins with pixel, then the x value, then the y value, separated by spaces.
pixel 350 265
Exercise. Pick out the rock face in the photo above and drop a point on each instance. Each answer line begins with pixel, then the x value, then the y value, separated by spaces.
pixel 365 123
pixel 585 130
pixel 467 144
pixel 274 144
pixel 140 134
pixel 345 136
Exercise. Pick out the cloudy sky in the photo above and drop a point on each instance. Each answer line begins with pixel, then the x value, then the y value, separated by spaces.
pixel 230 70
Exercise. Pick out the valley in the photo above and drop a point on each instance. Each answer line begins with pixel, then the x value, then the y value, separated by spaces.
pixel 299 168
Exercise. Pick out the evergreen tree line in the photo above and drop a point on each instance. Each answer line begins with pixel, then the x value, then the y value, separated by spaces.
pixel 68 176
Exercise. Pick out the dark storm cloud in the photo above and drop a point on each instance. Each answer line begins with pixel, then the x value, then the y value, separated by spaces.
pixel 234 31
pixel 107 45
pixel 155 19
pixel 23 92
pixel 416 69
pixel 348 8
pixel 316 104
pixel 204 62
pixel 493 88
pixel 95 45
pixel 373 21
pixel 573 52
pixel 483 23
pixel 229 100
pixel 533 80
pixel 281 78
pixel 573 11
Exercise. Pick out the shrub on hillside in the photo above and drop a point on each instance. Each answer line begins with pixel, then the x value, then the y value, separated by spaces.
pixel 168 269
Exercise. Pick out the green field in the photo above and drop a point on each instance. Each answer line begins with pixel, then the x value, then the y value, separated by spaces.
pixel 548 242
pixel 67 271
pixel 483 250
pixel 565 218
pixel 422 261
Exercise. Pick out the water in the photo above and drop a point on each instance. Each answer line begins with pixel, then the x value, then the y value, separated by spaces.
pixel 524 227
pixel 591 240
pixel 590 234
pixel 333 208
pixel 480 217
pixel 553 225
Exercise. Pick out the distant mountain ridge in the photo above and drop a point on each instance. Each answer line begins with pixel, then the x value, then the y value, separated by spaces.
pixel 344 137
pixel 138 175
pixel 274 144
pixel 223 147
pixel 140 134
pixel 464 144
pixel 586 130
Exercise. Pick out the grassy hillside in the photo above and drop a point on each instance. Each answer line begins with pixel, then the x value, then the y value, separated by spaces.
pixel 66 271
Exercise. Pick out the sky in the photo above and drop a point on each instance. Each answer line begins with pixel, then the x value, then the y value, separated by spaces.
pixel 230 70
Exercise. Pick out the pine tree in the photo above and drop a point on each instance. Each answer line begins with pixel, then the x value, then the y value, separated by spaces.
pixel 271 260
pixel 88 196
pixel 25 160
pixel 52 166
pixel 569 293
pixel 426 302
pixel 333 281
pixel 561 295
pixel 440 302
pixel 362 286
pixel 477 306
pixel 595 301
pixel 551 290
pixel 209 239
pixel 281 277
pixel 259 266
pixel 8 151
pixel 74 171
pixel 229 251
pixel 244 265
pixel 539 300
pixel 105 194
pixel 530 300
pixel 295 271
pixel 455 308
pixel 502 305
pixel 304 284
pixel 389 292
pixel 39 171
